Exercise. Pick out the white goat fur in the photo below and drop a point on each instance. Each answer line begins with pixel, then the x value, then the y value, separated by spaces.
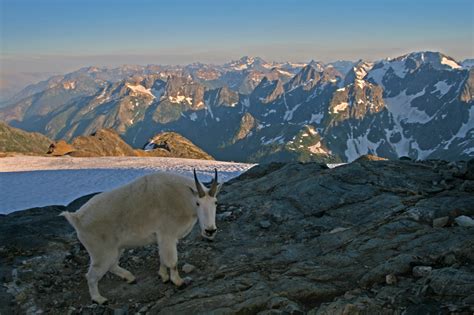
pixel 159 207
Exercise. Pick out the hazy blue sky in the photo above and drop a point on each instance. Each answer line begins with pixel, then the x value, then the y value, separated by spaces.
pixel 62 35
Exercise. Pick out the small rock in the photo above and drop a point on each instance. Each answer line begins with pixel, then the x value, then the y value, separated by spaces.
pixel 421 271
pixel 440 222
pixel 391 279
pixel 455 213
pixel 265 224
pixel 188 268
pixel 449 259
pixel 467 186
pixel 277 217
pixel 120 311
pixel 224 215
pixel 464 221
pixel 143 309
pixel 292 308
pixel 338 229
pixel 414 214
pixel 348 295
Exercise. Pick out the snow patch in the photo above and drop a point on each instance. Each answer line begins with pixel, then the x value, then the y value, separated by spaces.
pixel 289 74
pixel 289 112
pixel 402 111
pixel 140 89
pixel 240 67
pixel 193 116
pixel 442 87
pixel 316 118
pixel 450 63
pixel 102 95
pixel 360 146
pixel 279 140
pixel 378 74
pixel 360 83
pixel 361 71
pixel 340 107
pixel 317 148
pixel 271 111
pixel 177 99
pixel 41 181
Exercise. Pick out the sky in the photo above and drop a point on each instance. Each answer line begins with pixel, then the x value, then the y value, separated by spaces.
pixel 54 36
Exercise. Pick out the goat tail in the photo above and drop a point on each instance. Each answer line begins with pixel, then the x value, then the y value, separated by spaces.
pixel 71 217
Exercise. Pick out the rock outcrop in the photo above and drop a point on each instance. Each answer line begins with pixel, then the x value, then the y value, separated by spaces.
pixel 172 144
pixel 15 140
pixel 106 142
pixel 293 238
pixel 60 148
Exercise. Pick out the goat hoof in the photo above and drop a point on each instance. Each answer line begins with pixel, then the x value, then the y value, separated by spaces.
pixel 186 282
pixel 100 301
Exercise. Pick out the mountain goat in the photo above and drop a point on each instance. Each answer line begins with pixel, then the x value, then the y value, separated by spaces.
pixel 160 207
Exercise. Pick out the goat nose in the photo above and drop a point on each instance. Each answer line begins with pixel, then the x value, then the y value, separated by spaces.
pixel 210 232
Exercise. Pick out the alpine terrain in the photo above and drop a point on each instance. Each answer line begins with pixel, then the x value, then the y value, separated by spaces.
pixel 418 105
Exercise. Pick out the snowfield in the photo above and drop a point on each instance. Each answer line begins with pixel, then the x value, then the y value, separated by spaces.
pixel 27 182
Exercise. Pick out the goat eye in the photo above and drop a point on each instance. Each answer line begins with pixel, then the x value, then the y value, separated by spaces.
pixel 197 204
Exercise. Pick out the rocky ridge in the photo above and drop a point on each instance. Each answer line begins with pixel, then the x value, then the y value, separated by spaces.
pixel 368 237
pixel 106 142
pixel 15 140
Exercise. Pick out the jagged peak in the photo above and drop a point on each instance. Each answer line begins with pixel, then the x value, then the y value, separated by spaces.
pixel 316 65
pixel 436 59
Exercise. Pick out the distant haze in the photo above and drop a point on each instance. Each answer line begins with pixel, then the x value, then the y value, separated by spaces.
pixel 53 36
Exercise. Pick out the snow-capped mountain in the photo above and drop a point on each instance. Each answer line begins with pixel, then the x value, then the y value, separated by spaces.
pixel 418 105
pixel 467 63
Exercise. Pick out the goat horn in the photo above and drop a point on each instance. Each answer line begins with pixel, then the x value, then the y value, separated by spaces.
pixel 201 192
pixel 213 190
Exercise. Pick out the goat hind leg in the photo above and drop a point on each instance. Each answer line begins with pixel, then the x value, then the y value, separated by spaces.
pixel 163 272
pixel 122 272
pixel 93 276
pixel 101 262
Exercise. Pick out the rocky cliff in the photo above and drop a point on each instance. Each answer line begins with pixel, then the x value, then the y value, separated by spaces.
pixel 370 237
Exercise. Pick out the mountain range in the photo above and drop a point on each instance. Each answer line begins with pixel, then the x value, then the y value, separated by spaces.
pixel 418 105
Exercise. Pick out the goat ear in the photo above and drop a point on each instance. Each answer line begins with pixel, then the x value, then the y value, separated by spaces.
pixel 195 193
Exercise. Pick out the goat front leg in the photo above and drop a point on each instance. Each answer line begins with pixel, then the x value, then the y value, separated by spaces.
pixel 169 258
